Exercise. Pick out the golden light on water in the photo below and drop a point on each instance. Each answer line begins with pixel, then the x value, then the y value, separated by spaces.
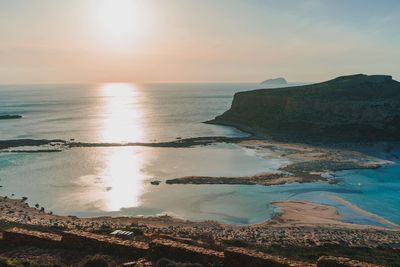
pixel 122 178
pixel 122 116
pixel 117 183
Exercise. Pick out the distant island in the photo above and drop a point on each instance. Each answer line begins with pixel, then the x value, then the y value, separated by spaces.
pixel 348 108
pixel 10 117
pixel 275 82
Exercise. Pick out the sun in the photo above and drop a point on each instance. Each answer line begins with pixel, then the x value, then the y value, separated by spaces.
pixel 118 23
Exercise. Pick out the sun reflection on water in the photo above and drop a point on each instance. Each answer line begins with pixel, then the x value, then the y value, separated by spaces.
pixel 121 117
pixel 122 178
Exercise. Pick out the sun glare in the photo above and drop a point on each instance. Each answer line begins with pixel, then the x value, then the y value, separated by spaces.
pixel 118 23
pixel 121 114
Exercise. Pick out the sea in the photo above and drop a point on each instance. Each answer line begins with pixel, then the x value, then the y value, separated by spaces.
pixel 115 181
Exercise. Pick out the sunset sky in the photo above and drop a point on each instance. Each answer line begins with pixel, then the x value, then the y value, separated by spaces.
pixel 84 41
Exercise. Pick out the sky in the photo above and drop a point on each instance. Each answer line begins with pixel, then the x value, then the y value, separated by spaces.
pixel 92 41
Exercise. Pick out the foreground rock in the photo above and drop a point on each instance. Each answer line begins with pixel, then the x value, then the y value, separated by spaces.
pixel 302 232
pixel 69 248
pixel 346 109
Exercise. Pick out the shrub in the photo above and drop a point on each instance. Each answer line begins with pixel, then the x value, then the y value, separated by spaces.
pixel 163 262
pixel 97 261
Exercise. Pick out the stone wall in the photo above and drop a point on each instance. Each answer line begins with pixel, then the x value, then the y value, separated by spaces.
pixel 162 248
pixel 239 257
pixel 329 261
pixel 101 243
pixel 20 237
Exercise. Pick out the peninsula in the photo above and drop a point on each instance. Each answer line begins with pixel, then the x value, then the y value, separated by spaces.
pixel 355 108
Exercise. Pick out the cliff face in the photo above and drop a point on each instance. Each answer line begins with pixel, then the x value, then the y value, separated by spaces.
pixel 348 108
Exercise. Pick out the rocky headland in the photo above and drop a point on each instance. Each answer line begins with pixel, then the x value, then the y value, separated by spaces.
pixel 354 108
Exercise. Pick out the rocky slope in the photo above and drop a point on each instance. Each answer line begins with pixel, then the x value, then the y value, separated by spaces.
pixel 348 108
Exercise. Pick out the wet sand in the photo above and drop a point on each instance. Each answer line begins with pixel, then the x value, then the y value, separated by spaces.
pixel 301 213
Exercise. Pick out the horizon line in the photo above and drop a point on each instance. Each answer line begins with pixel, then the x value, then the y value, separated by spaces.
pixel 130 82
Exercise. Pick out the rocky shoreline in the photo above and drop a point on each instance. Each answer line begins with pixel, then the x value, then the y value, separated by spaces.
pixel 38 144
pixel 306 164
pixel 310 229
pixel 265 179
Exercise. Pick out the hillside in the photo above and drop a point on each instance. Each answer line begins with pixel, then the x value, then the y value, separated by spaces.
pixel 348 108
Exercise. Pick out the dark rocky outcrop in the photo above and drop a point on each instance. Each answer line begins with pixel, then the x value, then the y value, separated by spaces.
pixel 10 117
pixel 349 108
pixel 275 82
pixel 187 142
pixel 29 142
pixel 260 179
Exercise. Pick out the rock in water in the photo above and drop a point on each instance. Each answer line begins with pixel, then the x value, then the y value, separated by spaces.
pixel 10 117
pixel 348 108
pixel 156 182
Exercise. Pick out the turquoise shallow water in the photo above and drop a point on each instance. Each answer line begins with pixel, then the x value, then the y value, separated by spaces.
pixel 116 181
pixel 378 190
